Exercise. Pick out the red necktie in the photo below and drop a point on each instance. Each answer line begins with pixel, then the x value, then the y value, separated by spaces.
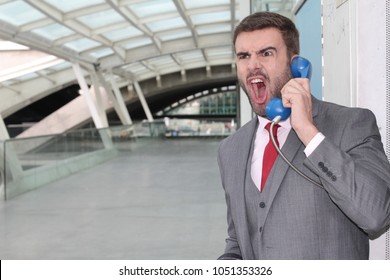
pixel 270 155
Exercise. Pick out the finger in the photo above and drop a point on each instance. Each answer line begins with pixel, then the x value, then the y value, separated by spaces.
pixel 298 85
pixel 294 92
pixel 304 83
pixel 296 89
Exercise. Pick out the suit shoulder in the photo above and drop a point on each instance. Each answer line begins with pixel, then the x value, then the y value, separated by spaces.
pixel 344 113
pixel 347 125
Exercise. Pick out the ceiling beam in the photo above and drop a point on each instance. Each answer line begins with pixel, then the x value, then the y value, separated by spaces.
pixel 187 20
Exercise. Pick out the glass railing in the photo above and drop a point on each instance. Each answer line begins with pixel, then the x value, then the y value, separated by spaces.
pixel 28 163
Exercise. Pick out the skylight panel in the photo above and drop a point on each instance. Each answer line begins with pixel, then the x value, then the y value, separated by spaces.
pixel 62 66
pixel 46 71
pixel 173 35
pixel 82 44
pixel 191 4
pixel 100 19
pixel 102 53
pixel 26 77
pixel 190 56
pixel 160 61
pixel 211 17
pixel 136 43
pixel 53 31
pixel 120 34
pixel 151 8
pixel 166 24
pixel 137 68
pixel 71 5
pixel 273 5
pixel 220 51
pixel 19 13
pixel 213 29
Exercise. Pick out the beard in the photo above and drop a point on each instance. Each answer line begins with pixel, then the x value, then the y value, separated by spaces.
pixel 274 88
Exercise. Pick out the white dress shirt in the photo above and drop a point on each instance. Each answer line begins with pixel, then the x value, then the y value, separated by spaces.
pixel 262 138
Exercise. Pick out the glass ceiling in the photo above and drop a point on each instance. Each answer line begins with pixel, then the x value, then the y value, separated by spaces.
pixel 130 38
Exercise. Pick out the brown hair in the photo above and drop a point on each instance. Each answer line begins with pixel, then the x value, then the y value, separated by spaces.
pixel 263 20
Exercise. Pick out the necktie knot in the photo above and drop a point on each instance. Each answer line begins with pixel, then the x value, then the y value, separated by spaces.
pixel 274 130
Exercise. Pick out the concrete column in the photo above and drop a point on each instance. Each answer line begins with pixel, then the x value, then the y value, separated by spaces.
pixel 87 96
pixel 99 100
pixel 116 98
pixel 99 123
pixel 142 99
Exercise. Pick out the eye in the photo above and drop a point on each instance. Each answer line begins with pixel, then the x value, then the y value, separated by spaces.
pixel 242 56
pixel 268 53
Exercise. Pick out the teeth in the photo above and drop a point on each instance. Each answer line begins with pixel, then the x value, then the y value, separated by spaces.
pixel 255 81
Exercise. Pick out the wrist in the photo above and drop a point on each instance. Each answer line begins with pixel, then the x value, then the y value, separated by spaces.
pixel 306 134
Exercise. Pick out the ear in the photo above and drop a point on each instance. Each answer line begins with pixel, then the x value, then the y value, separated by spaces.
pixel 293 56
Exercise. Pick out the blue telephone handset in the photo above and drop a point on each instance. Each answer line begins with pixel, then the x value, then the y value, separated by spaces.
pixel 300 68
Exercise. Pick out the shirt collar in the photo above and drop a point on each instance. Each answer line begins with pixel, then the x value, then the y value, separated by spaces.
pixel 263 122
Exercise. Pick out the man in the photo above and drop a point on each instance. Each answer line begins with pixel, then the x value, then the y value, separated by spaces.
pixel 338 147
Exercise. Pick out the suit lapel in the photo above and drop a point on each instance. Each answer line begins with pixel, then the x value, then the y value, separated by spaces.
pixel 280 168
pixel 290 150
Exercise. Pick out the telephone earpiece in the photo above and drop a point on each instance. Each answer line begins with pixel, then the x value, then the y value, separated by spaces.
pixel 300 68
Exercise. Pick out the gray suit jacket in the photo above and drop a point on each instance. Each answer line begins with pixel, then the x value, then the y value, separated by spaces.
pixel 304 221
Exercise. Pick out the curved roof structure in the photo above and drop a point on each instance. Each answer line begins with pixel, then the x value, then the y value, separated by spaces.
pixel 130 40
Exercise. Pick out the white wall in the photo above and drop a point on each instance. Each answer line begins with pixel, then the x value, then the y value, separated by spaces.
pixel 371 59
pixel 354 50
pixel 339 52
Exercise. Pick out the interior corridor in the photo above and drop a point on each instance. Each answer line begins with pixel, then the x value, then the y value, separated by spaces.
pixel 161 200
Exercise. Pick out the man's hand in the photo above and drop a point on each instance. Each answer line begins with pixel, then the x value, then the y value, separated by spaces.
pixel 296 95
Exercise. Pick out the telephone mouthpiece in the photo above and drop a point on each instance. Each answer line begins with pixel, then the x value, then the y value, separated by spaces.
pixel 275 108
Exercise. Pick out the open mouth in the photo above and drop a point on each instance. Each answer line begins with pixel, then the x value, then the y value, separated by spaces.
pixel 258 89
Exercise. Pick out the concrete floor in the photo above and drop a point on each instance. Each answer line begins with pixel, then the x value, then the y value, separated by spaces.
pixel 161 200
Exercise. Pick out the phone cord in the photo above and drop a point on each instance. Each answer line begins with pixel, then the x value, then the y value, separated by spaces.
pixel 275 121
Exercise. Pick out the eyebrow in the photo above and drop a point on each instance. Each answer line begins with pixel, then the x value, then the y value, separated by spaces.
pixel 266 49
pixel 261 51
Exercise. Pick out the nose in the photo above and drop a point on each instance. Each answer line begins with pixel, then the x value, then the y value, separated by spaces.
pixel 254 63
